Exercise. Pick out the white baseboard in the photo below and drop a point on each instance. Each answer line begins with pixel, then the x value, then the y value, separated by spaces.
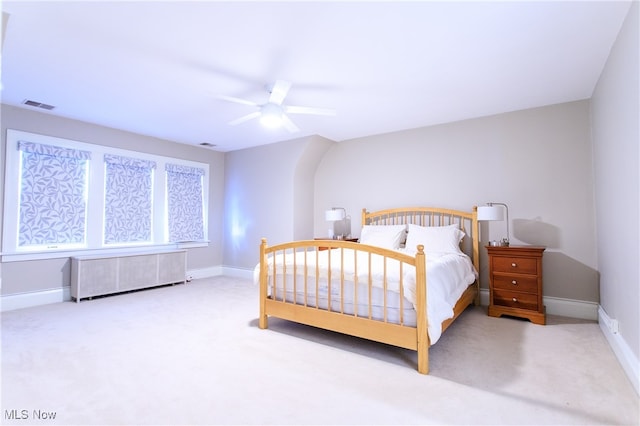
pixel 221 270
pixel 12 302
pixel 571 308
pixel 214 271
pixel 238 272
pixel 629 362
pixel 558 306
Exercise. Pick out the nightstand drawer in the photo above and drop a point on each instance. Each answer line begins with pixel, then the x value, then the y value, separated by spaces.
pixel 516 283
pixel 519 265
pixel 514 299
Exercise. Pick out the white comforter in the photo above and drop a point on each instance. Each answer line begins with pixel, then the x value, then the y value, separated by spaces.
pixel 448 276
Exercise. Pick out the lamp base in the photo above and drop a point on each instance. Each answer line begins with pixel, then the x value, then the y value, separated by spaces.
pixel 495 243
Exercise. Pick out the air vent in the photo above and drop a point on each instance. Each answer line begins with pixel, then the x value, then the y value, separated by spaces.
pixel 38 104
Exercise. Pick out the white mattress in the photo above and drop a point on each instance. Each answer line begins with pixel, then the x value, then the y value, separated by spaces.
pixel 448 276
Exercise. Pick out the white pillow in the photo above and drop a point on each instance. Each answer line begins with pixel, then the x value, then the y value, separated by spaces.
pixel 387 236
pixel 439 239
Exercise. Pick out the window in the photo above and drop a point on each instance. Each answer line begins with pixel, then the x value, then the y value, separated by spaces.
pixel 128 202
pixel 53 198
pixel 74 196
pixel 184 203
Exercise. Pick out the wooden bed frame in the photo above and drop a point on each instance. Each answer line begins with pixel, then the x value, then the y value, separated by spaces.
pixel 410 337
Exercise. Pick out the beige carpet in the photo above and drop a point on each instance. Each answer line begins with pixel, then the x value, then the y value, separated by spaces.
pixel 192 354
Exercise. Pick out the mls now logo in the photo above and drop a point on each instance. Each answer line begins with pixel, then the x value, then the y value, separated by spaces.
pixel 26 414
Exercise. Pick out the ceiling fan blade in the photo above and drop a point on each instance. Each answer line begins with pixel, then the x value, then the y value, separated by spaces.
pixel 245 118
pixel 237 100
pixel 289 125
pixel 309 110
pixel 279 91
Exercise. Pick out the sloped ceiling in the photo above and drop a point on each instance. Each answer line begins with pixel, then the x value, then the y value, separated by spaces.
pixel 157 67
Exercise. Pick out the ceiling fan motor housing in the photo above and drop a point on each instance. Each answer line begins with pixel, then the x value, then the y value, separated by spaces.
pixel 271 115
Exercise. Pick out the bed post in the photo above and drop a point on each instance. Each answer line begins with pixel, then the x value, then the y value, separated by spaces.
pixel 364 218
pixel 421 307
pixel 475 241
pixel 262 321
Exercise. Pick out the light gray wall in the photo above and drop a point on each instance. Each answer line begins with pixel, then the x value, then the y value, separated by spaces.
pixel 303 189
pixel 537 161
pixel 19 277
pixel 269 194
pixel 616 137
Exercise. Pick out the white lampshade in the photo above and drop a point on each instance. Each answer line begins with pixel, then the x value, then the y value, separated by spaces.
pixel 490 213
pixel 271 115
pixel 334 215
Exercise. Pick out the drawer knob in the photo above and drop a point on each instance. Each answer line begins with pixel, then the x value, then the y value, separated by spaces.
pixel 513 265
pixel 514 282
pixel 514 299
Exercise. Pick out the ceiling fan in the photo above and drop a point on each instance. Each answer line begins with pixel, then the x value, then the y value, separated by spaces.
pixel 273 113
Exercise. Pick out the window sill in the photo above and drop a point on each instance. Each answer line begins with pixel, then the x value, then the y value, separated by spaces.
pixel 42 255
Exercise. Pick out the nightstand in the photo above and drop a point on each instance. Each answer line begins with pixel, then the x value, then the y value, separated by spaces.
pixel 353 240
pixel 515 282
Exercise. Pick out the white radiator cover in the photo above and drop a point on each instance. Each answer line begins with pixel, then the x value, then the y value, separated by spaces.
pixel 101 275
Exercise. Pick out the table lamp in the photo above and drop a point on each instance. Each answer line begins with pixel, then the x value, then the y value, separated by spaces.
pixel 493 212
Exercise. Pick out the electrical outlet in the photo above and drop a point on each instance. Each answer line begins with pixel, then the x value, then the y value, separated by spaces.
pixel 610 323
pixel 613 326
pixel 189 278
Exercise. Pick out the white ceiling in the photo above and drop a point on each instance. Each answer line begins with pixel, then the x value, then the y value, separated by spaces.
pixel 156 67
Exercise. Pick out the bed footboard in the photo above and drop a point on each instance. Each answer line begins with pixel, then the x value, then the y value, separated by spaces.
pixel 338 290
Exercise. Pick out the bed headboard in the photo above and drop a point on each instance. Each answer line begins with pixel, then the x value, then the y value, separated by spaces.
pixel 433 216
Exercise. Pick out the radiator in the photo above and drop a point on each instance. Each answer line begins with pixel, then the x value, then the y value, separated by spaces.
pixel 101 275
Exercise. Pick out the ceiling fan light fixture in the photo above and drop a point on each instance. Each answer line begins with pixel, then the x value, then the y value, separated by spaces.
pixel 271 115
pixel 274 113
